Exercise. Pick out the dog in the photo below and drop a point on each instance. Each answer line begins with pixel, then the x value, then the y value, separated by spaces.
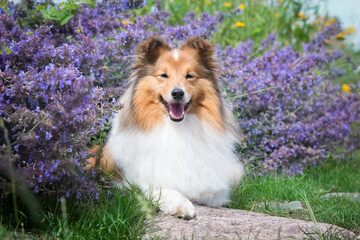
pixel 175 136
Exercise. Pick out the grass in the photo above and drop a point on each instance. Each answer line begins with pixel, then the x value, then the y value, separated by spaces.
pixel 3 232
pixel 332 176
pixel 120 215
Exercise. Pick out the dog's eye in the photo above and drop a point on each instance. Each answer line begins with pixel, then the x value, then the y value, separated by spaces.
pixel 164 75
pixel 189 76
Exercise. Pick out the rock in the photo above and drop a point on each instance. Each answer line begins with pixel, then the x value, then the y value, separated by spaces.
pixel 224 223
pixel 355 196
pixel 291 206
pixel 294 205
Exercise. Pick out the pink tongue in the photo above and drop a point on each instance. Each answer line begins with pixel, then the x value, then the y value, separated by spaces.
pixel 177 109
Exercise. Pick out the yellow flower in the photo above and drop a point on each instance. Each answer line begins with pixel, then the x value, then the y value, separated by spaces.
pixel 228 4
pixel 330 21
pixel 349 30
pixel 208 2
pixel 126 21
pixel 197 9
pixel 240 24
pixel 345 87
pixel 340 36
pixel 242 6
pixel 302 16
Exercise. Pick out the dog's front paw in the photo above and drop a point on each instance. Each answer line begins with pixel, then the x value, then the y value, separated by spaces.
pixel 182 208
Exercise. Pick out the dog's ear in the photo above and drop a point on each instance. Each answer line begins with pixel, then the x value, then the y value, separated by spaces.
pixel 204 49
pixel 150 50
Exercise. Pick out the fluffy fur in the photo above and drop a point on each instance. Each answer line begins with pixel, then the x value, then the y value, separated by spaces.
pixel 179 148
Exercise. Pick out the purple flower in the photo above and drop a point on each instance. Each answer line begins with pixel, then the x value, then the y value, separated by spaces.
pixel 40 179
pixel 48 136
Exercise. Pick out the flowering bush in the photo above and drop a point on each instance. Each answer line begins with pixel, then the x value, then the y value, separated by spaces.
pixel 59 86
pixel 291 114
pixel 50 108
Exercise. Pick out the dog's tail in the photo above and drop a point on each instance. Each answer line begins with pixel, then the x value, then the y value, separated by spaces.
pixel 104 161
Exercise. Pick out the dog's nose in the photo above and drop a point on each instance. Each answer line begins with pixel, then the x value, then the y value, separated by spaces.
pixel 177 94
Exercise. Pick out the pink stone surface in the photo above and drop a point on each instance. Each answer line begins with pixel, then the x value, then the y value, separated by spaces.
pixel 224 223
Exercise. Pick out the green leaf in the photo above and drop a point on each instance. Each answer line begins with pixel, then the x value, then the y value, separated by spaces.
pixel 74 12
pixel 5 49
pixel 3 4
pixel 39 7
pixel 255 31
pixel 45 13
pixel 90 4
pixel 259 17
pixel 66 19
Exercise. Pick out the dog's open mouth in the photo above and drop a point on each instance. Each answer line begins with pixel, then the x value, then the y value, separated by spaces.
pixel 175 110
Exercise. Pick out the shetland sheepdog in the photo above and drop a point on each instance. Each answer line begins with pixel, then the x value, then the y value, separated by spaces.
pixel 175 136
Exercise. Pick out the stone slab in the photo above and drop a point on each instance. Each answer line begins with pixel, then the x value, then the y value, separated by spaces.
pixel 290 206
pixel 224 223
pixel 355 196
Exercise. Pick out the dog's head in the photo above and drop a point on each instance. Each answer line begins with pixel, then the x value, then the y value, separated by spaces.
pixel 175 82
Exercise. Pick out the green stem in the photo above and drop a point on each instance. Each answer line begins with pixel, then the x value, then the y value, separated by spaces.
pixel 33 128
pixel 292 113
pixel 36 125
pixel 12 171
pixel 247 94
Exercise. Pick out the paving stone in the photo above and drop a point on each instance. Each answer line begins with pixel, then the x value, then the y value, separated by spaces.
pixel 224 223
pixel 355 196
pixel 294 205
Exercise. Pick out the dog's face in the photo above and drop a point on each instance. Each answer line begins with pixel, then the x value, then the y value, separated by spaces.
pixel 174 82
pixel 177 76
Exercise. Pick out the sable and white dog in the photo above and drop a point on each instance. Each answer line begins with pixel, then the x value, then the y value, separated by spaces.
pixel 175 136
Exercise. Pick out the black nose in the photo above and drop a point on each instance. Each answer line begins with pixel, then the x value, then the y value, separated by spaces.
pixel 177 94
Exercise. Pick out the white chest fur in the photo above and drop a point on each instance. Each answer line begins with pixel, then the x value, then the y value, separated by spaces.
pixel 189 157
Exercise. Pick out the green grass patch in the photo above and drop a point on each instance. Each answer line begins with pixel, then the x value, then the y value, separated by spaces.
pixel 256 193
pixel 118 214
pixel 3 232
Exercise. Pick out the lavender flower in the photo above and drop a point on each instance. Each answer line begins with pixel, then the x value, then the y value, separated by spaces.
pixel 59 87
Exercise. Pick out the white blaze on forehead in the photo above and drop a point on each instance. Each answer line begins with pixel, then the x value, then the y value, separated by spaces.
pixel 176 54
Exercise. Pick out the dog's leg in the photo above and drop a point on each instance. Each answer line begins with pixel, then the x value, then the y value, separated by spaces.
pixel 236 172
pixel 214 199
pixel 221 197
pixel 173 203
